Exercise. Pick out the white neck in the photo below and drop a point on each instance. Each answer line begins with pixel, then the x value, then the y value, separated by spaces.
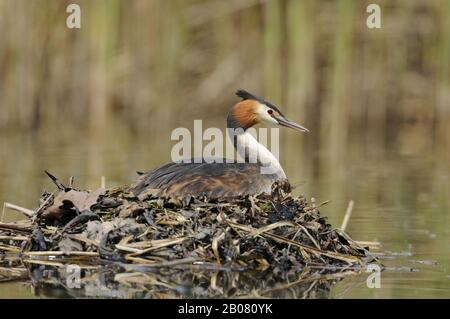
pixel 253 152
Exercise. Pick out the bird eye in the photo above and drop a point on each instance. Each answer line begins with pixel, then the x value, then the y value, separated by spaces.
pixel 270 111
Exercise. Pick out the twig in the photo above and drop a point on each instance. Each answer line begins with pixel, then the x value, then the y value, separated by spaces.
pixel 155 244
pixel 129 249
pixel 215 245
pixel 57 264
pixel 62 253
pixel 323 203
pixel 257 232
pixel 331 254
pixel 71 180
pixel 373 244
pixel 139 260
pixel 56 181
pixel 9 248
pixel 23 210
pixel 309 235
pixel 17 227
pixel 18 238
pixel 348 213
pixel 306 292
pixel 169 263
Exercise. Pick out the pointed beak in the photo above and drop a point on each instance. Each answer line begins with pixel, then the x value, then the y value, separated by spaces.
pixel 285 122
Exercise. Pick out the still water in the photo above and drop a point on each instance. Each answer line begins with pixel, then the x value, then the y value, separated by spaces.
pixel 401 194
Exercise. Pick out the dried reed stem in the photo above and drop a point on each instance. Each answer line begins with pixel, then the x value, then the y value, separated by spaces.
pixel 348 214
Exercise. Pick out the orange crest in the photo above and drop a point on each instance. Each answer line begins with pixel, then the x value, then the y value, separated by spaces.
pixel 245 113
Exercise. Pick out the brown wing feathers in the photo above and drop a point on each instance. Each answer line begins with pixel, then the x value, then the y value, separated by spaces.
pixel 209 179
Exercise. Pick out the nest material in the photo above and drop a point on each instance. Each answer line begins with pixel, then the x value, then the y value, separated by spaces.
pixel 274 232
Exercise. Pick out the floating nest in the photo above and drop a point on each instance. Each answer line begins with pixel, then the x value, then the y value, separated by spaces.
pixel 275 234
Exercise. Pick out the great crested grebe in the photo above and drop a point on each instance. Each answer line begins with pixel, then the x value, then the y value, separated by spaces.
pixel 220 179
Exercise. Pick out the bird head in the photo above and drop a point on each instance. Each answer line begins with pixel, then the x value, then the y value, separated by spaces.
pixel 252 110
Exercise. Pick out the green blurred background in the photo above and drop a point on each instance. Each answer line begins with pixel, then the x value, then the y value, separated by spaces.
pixel 103 100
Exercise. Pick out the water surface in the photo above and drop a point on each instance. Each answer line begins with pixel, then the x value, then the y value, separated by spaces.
pixel 400 194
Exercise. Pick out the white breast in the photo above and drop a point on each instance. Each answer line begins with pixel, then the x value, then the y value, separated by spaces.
pixel 254 152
